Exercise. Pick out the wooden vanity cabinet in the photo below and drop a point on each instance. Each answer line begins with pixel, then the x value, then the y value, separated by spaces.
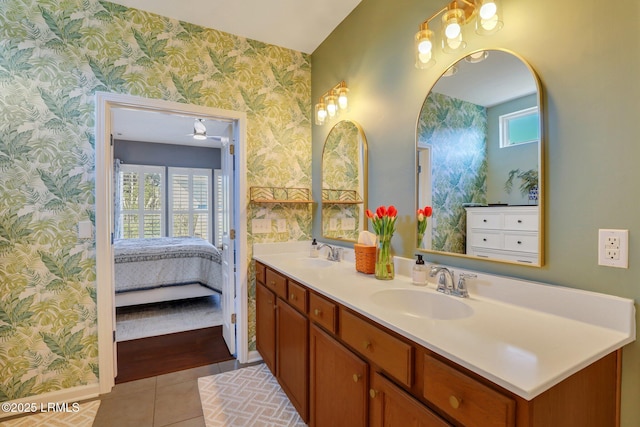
pixel 465 399
pixel 339 383
pixel 391 406
pixel 282 336
pixel 351 371
pixel 266 325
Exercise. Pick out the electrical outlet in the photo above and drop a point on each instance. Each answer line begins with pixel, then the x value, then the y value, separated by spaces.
pixel 281 225
pixel 333 224
pixel 613 248
pixel 260 226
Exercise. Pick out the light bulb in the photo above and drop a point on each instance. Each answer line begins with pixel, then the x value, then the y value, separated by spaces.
pixel 343 101
pixel 424 57
pixel 425 46
pixel 321 113
pixel 332 106
pixel 489 24
pixel 488 10
pixel 452 31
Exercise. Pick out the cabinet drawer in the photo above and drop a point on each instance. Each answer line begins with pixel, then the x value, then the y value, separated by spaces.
pixel 390 353
pixel 521 222
pixel 323 312
pixel 521 242
pixel 528 258
pixel 486 239
pixel 297 296
pixel 277 283
pixel 465 399
pixel 260 272
pixel 486 220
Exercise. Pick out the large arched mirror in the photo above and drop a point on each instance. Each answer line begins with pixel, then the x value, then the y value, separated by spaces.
pixel 480 160
pixel 344 182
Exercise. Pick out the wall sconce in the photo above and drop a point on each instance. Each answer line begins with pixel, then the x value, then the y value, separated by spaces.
pixel 331 103
pixel 455 17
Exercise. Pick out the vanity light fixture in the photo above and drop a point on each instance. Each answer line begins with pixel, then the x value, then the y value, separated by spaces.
pixel 455 17
pixel 331 103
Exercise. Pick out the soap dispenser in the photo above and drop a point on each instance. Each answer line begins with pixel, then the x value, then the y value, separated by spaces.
pixel 419 274
pixel 314 249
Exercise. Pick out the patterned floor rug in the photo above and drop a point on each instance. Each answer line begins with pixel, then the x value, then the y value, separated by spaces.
pixel 83 417
pixel 149 320
pixel 246 397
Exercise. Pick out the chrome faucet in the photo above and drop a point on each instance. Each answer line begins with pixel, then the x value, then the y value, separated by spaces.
pixel 334 254
pixel 446 281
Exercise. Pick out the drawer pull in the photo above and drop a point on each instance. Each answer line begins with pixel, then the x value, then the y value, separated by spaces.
pixel 373 393
pixel 519 242
pixel 484 239
pixel 519 221
pixel 356 377
pixel 455 402
pixel 272 283
pixel 317 312
pixel 292 297
pixel 366 344
pixel 484 220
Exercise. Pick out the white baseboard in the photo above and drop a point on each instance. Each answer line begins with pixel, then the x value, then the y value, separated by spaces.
pixel 254 356
pixel 69 395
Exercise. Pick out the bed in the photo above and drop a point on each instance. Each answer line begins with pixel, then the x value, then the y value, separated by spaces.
pixel 165 269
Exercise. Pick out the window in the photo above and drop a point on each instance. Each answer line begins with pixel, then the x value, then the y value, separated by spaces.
pixel 520 127
pixel 218 218
pixel 142 200
pixel 190 210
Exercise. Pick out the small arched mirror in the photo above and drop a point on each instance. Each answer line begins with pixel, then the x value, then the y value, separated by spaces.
pixel 344 182
pixel 480 160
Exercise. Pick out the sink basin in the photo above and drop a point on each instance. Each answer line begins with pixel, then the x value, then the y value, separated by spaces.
pixel 418 303
pixel 314 262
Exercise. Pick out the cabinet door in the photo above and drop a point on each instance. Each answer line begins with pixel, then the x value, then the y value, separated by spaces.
pixel 266 326
pixel 338 394
pixel 392 406
pixel 292 356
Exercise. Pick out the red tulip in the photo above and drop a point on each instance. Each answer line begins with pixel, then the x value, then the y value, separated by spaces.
pixel 428 211
pixel 369 214
pixel 381 211
pixel 392 211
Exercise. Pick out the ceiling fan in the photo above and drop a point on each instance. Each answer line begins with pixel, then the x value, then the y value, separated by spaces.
pixel 200 132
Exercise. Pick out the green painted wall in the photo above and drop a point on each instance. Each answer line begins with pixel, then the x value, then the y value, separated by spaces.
pixel 54 55
pixel 502 160
pixel 589 73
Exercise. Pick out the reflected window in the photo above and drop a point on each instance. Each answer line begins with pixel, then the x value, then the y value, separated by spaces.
pixel 520 127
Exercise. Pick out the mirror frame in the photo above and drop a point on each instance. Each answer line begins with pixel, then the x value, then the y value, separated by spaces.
pixel 365 183
pixel 541 167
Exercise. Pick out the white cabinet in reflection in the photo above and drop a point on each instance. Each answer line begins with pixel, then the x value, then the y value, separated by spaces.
pixel 508 233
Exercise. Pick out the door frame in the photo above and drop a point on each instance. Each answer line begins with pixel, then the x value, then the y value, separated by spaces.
pixel 104 101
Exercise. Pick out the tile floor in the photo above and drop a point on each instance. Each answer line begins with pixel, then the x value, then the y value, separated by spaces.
pixel 170 400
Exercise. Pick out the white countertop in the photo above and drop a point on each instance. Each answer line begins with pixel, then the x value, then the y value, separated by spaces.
pixel 523 336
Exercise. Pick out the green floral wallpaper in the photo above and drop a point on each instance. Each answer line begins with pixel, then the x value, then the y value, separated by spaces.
pixel 456 131
pixel 54 55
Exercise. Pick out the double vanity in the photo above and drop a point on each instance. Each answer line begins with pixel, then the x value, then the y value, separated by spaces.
pixel 350 350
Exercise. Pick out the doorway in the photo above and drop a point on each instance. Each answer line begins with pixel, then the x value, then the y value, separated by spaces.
pixel 234 297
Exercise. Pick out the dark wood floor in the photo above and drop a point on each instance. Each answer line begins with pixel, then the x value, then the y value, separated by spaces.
pixel 148 357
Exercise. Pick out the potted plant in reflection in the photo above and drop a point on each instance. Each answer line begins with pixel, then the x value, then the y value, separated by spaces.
pixel 528 186
pixel 384 225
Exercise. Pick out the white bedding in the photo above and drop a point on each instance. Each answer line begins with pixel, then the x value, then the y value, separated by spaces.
pixel 143 264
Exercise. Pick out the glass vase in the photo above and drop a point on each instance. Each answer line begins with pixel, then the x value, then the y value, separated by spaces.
pixel 384 259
